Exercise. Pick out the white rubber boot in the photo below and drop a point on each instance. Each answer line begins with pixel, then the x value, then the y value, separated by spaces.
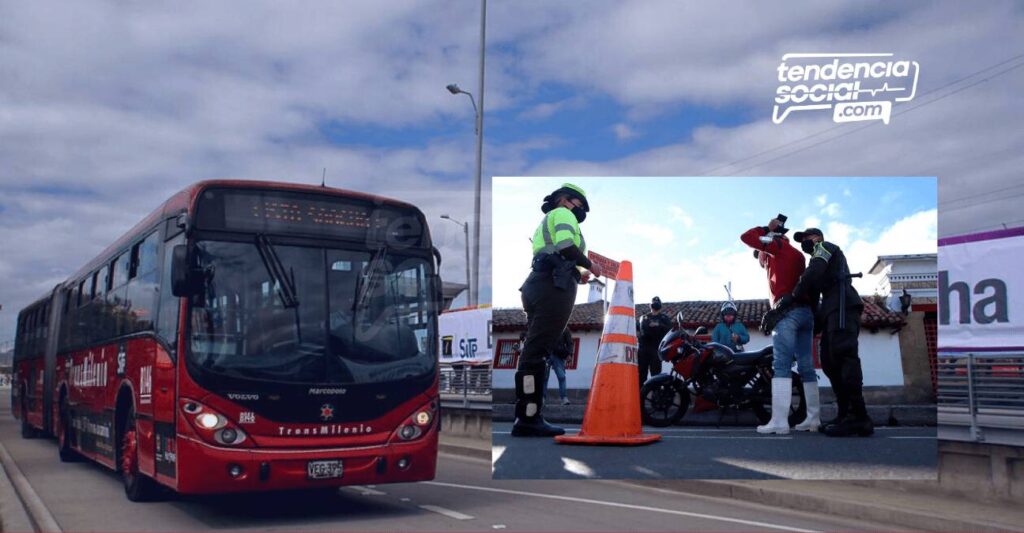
pixel 813 420
pixel 782 399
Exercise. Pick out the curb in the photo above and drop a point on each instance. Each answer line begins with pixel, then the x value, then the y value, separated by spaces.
pixel 13 515
pixel 802 501
pixel 38 516
pixel 468 451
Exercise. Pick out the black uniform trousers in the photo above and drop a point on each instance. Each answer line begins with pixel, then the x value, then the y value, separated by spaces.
pixel 648 359
pixel 840 361
pixel 547 313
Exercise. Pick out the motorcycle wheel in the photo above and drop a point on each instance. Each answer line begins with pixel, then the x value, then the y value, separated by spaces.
pixel 663 403
pixel 797 409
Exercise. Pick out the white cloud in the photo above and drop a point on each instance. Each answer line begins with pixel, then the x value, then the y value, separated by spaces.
pixel 839 233
pixel 680 214
pixel 831 210
pixel 812 222
pixel 821 200
pixel 624 132
pixel 656 234
pixel 847 193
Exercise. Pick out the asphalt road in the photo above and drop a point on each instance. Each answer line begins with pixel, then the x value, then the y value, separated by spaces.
pixel 722 453
pixel 85 497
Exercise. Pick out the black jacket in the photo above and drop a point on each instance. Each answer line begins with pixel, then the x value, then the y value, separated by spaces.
pixel 824 277
pixel 653 327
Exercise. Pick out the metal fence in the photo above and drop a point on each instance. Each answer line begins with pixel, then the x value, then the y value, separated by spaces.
pixel 981 397
pixel 466 386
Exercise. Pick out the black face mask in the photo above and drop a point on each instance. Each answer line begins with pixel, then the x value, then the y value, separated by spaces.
pixel 807 246
pixel 656 307
pixel 580 213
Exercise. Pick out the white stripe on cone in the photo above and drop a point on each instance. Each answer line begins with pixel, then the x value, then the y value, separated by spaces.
pixel 622 296
pixel 619 352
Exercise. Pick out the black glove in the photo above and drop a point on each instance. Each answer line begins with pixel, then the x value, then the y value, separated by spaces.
pixel 783 303
pixel 769 320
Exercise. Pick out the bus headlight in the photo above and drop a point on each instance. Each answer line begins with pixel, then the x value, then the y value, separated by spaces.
pixel 409 432
pixel 208 420
pixel 229 436
pixel 212 426
pixel 417 424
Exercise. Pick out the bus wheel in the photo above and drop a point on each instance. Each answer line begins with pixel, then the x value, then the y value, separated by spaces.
pixel 137 486
pixel 27 431
pixel 66 452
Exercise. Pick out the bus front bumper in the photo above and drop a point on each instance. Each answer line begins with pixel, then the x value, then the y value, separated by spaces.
pixel 206 469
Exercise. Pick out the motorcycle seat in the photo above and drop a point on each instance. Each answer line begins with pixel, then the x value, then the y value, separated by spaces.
pixel 752 358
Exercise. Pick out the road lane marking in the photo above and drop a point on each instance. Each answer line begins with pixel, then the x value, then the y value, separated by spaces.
pixel 577 467
pixel 366 491
pixel 910 437
pixel 621 506
pixel 446 512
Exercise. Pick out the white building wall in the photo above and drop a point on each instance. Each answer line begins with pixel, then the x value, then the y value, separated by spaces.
pixel 879 354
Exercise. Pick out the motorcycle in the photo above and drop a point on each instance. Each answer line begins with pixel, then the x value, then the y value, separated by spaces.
pixel 717 377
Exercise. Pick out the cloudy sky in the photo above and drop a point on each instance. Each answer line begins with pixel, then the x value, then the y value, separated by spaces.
pixel 108 107
pixel 682 233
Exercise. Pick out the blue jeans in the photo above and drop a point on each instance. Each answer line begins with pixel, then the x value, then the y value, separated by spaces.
pixel 791 341
pixel 558 365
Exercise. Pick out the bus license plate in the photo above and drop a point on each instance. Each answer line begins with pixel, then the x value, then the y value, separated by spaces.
pixel 323 469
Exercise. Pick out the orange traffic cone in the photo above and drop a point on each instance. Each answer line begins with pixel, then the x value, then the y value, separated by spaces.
pixel 613 409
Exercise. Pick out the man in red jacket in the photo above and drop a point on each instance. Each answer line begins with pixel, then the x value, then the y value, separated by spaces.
pixel 793 334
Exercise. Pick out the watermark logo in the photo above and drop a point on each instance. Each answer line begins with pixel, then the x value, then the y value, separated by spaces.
pixel 856 87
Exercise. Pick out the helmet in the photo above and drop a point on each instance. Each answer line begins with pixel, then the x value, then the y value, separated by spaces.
pixel 728 308
pixel 570 190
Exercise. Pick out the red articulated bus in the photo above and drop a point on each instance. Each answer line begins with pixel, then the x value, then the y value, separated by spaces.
pixel 245 336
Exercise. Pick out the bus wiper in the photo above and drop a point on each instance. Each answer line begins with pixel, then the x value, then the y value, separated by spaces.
pixel 368 282
pixel 272 262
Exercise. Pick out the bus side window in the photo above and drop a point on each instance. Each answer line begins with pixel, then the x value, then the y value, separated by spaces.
pixel 117 299
pixel 142 287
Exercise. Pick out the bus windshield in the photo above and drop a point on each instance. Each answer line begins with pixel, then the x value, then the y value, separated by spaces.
pixel 311 315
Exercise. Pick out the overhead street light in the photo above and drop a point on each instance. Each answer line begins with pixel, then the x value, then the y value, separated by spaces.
pixel 474 293
pixel 454 89
pixel 465 230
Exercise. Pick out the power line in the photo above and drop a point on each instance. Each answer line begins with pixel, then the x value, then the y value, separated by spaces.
pixel 837 126
pixel 962 198
pixel 1001 225
pixel 988 201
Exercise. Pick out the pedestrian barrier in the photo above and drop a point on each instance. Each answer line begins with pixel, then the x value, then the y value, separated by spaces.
pixel 613 409
pixel 981 397
pixel 466 386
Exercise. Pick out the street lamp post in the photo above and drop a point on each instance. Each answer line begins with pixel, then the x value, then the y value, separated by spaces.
pixel 474 293
pixel 465 230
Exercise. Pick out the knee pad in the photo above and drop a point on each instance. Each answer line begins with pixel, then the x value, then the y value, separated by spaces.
pixel 528 384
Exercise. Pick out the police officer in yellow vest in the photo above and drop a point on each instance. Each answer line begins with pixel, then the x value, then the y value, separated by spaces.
pixel 549 293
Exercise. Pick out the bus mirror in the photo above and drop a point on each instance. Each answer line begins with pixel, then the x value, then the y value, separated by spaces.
pixel 437 255
pixel 184 281
pixel 438 290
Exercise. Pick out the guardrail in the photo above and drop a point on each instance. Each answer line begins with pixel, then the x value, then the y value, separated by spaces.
pixel 981 397
pixel 466 386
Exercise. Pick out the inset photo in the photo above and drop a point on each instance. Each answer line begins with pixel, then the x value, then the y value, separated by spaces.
pixel 714 328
